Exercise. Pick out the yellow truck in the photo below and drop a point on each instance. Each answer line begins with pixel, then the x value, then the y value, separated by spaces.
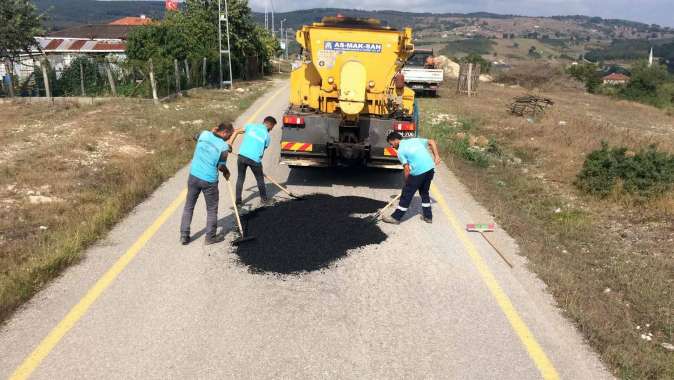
pixel 347 94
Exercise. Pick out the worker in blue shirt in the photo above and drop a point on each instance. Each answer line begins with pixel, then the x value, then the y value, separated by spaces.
pixel 255 141
pixel 210 156
pixel 419 168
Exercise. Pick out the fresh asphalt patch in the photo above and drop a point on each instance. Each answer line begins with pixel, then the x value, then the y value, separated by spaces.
pixel 295 236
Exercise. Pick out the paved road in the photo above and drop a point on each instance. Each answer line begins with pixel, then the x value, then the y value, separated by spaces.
pixel 429 302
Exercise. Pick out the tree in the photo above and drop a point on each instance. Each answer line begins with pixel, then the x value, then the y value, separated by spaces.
pixel 650 84
pixel 587 73
pixel 19 24
pixel 485 66
pixel 193 34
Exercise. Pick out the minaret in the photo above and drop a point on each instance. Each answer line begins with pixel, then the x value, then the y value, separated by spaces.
pixel 650 58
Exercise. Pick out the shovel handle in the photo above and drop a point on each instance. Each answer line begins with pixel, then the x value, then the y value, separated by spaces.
pixel 236 211
pixel 388 205
pixel 278 185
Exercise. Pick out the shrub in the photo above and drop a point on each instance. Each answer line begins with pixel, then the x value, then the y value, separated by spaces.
pixel 587 73
pixel 531 75
pixel 647 173
pixel 474 58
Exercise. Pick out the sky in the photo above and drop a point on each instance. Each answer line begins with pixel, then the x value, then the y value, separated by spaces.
pixel 649 11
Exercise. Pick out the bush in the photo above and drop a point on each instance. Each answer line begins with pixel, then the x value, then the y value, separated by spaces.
pixel 531 75
pixel 650 85
pixel 480 46
pixel 474 58
pixel 647 173
pixel 587 73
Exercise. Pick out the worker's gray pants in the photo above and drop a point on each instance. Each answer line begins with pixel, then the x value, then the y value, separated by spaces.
pixel 195 186
pixel 243 163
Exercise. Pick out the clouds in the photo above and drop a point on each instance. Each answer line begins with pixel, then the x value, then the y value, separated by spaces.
pixel 649 11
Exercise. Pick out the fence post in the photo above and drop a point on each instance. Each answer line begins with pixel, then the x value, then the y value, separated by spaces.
pixel 203 74
pixel 470 79
pixel 110 78
pixel 187 73
pixel 9 67
pixel 45 77
pixel 175 64
pixel 82 79
pixel 155 99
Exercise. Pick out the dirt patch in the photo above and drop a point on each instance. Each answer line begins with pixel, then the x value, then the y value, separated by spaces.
pixel 308 235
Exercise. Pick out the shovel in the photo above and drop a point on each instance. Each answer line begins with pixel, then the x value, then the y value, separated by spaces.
pixel 243 238
pixel 376 216
pixel 283 188
pixel 279 186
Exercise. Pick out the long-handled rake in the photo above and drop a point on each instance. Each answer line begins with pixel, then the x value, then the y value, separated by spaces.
pixel 481 229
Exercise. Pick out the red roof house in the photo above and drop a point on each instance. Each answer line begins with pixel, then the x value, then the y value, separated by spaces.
pixel 616 79
pixel 132 21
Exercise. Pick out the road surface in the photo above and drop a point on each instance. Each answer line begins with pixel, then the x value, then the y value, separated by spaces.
pixel 431 301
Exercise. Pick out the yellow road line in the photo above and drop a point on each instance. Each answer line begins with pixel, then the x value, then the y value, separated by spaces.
pixel 32 361
pixel 533 348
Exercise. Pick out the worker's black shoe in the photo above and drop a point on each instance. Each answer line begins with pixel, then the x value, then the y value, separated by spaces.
pixel 390 220
pixel 184 239
pixel 214 239
pixel 427 220
pixel 268 202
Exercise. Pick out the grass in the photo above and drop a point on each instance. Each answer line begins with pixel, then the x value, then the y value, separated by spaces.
pixel 608 262
pixel 89 166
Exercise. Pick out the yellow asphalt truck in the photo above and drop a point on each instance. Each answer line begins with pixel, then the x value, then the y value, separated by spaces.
pixel 347 94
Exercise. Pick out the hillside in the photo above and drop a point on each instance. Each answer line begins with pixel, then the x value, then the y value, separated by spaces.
pixel 66 13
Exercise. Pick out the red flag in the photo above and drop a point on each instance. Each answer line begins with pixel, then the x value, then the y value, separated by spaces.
pixel 171 5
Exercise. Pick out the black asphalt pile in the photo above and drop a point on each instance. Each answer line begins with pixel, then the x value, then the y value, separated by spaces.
pixel 303 236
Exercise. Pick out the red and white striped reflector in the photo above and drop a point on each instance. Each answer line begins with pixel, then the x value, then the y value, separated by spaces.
pixel 400 126
pixel 293 120
pixel 390 152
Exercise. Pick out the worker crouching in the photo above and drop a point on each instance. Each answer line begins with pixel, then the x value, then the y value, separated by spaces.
pixel 419 168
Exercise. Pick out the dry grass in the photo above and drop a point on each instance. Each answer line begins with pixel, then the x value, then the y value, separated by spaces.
pixel 70 172
pixel 609 263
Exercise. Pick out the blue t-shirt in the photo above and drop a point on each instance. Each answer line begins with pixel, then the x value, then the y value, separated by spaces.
pixel 255 141
pixel 415 153
pixel 207 155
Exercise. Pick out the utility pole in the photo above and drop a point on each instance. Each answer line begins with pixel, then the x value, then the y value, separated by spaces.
pixel 281 34
pixel 273 32
pixel 286 31
pixel 224 17
pixel 266 17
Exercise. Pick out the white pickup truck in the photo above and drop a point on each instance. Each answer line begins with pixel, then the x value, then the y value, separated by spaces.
pixel 420 73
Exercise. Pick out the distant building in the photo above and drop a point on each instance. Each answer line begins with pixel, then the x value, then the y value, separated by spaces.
pixel 94 32
pixel 616 79
pixel 132 21
pixel 62 47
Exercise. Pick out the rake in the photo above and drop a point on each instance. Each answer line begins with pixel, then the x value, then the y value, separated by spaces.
pixel 481 229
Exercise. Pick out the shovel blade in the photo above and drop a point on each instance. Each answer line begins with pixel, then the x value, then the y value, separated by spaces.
pixel 242 240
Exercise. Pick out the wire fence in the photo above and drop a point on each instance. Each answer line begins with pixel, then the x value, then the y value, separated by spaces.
pixel 104 76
